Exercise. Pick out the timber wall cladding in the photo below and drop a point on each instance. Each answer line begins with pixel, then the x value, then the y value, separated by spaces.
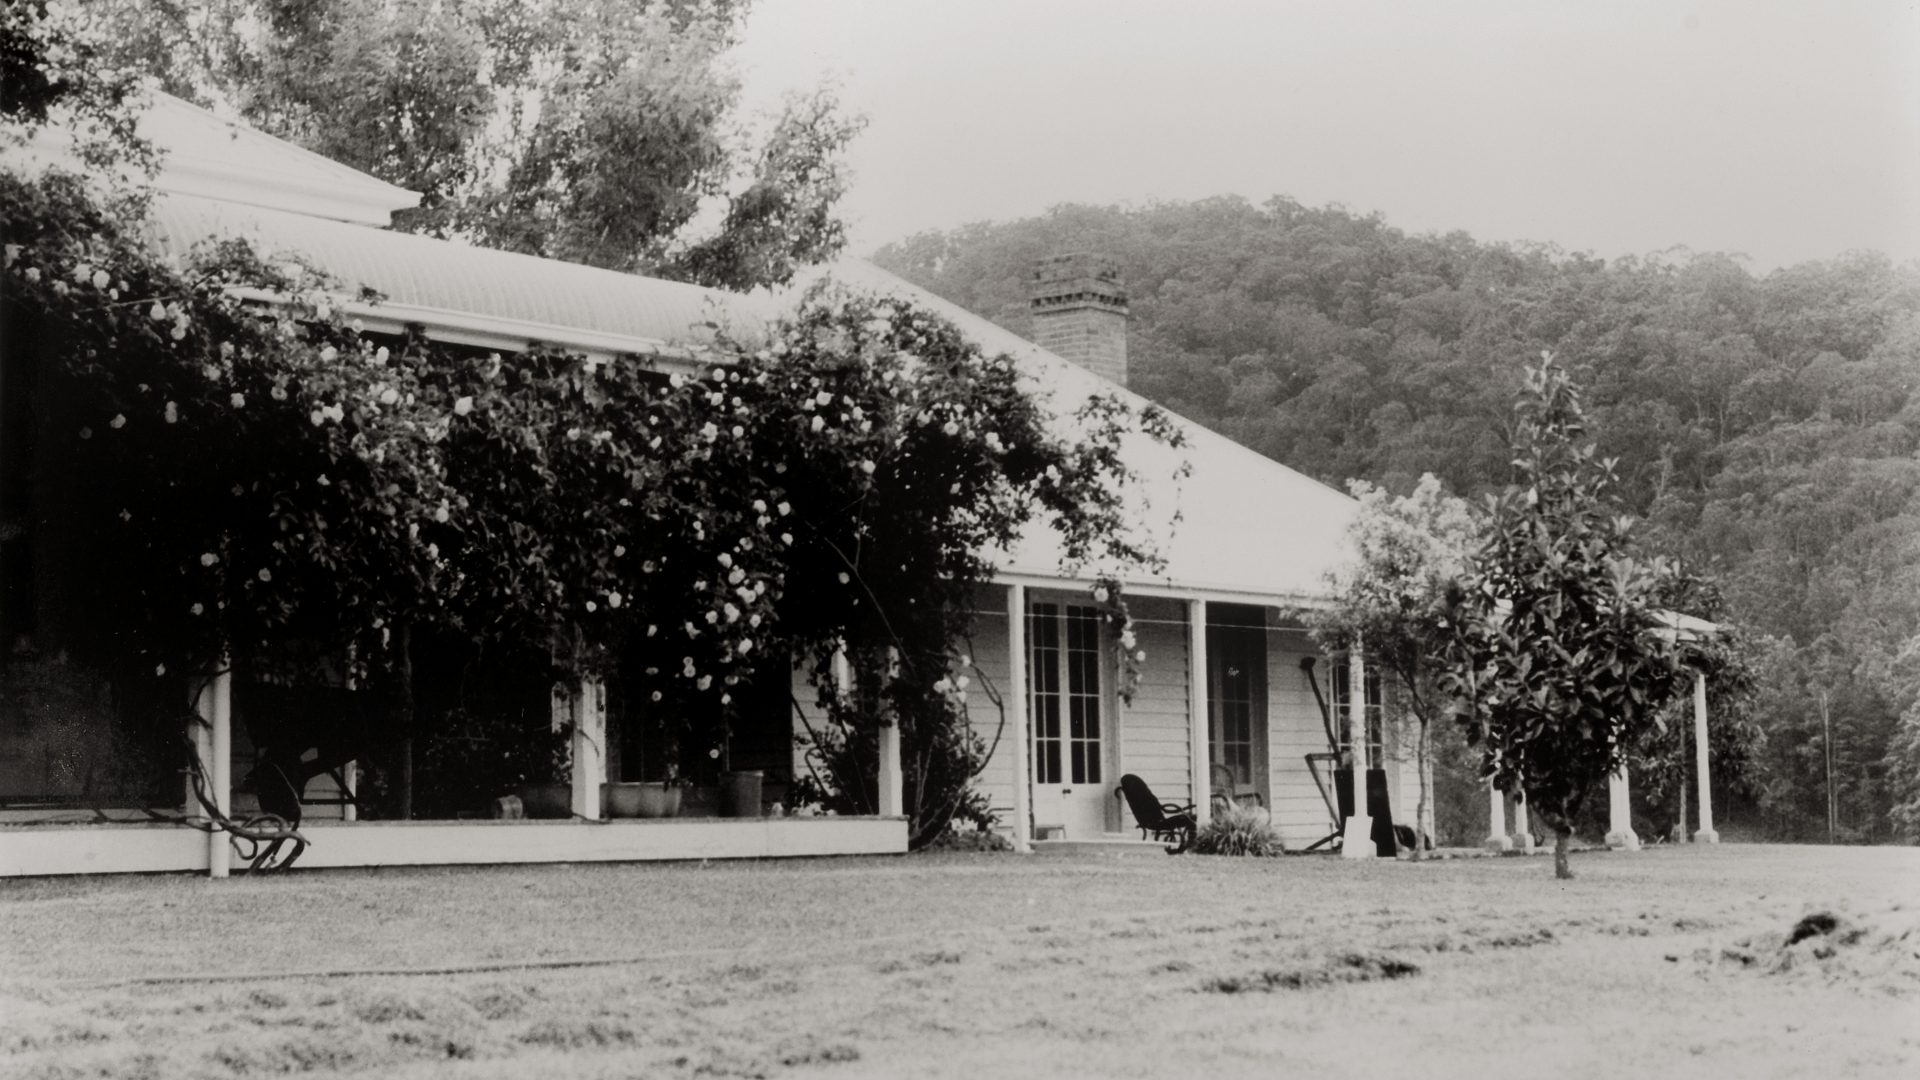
pixel 1294 730
pixel 1155 736
pixel 989 646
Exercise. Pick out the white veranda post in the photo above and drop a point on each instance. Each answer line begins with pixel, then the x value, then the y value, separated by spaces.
pixel 588 704
pixel 1199 768
pixel 1522 828
pixel 213 744
pixel 1016 705
pixel 892 783
pixel 1705 834
pixel 1620 834
pixel 1358 842
pixel 1497 838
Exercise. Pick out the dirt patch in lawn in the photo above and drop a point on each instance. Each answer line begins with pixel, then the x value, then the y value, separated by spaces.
pixel 1347 968
pixel 1876 951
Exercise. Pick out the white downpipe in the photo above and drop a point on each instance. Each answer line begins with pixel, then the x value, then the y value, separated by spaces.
pixel 1705 834
pixel 350 788
pixel 1199 749
pixel 1016 703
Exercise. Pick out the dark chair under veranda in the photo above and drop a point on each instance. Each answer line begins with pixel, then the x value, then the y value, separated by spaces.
pixel 1161 820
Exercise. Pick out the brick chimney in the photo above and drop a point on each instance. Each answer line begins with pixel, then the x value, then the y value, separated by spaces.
pixel 1080 312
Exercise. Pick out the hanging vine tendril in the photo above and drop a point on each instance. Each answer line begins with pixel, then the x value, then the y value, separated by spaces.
pixel 265 842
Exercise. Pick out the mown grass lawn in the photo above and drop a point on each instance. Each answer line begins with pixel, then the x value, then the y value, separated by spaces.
pixel 1663 963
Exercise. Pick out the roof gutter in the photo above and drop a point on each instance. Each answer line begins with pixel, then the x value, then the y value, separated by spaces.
pixel 1173 591
pixel 493 332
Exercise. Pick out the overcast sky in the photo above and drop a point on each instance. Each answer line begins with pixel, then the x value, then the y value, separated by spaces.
pixel 1784 131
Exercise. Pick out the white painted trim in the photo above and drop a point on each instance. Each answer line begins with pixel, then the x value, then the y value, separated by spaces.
pixel 108 849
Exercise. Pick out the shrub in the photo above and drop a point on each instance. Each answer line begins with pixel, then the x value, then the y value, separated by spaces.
pixel 1238 830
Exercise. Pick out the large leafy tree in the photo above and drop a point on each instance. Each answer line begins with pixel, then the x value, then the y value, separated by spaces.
pixel 1765 423
pixel 1557 665
pixel 595 131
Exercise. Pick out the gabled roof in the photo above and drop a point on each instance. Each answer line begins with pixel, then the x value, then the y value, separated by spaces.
pixel 1249 528
pixel 1240 527
pixel 469 295
pixel 226 160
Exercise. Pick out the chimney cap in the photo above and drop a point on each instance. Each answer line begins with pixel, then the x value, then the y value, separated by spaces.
pixel 1077 279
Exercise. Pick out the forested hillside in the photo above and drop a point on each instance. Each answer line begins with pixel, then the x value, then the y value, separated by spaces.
pixel 1767 425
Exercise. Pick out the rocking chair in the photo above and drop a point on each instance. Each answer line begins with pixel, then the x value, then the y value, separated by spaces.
pixel 1161 821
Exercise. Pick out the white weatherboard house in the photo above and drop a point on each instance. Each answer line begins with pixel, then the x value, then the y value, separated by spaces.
pixel 1223 699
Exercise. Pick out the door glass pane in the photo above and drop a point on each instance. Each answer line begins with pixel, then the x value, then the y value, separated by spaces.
pixel 1043 674
pixel 1083 689
pixel 1238 651
pixel 1065 680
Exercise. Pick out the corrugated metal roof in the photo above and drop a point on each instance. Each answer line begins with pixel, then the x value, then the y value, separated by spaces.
pixel 516 298
pixel 1249 528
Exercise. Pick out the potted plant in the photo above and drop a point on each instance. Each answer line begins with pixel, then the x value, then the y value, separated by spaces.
pixel 739 788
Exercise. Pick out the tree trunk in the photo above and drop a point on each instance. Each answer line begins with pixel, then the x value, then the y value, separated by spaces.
pixel 1562 843
pixel 1422 749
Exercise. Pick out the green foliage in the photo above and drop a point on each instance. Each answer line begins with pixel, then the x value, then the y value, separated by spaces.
pixel 1408 553
pixel 1662 763
pixel 592 131
pixel 1238 830
pixel 260 483
pixel 1765 425
pixel 231 480
pixel 1555 663
pixel 54 68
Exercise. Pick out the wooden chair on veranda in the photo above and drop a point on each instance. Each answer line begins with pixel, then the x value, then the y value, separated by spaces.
pixel 1162 821
pixel 1226 793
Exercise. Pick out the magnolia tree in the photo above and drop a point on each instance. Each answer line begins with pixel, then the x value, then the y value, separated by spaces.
pixel 1556 667
pixel 1392 600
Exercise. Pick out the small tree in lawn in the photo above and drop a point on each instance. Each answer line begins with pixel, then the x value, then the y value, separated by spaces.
pixel 1392 598
pixel 1556 666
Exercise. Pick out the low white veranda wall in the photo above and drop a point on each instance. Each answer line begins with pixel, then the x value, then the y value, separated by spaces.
pixel 149 848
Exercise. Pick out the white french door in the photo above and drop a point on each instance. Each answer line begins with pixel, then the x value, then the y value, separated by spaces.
pixel 1066 693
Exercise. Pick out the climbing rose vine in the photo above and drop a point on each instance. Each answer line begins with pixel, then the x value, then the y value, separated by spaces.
pixel 256 481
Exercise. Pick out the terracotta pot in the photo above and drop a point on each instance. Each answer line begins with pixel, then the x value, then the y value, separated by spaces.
pixel 547 800
pixel 740 793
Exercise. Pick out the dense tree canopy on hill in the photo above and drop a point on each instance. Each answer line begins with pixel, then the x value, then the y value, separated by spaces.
pixel 595 131
pixel 1767 425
